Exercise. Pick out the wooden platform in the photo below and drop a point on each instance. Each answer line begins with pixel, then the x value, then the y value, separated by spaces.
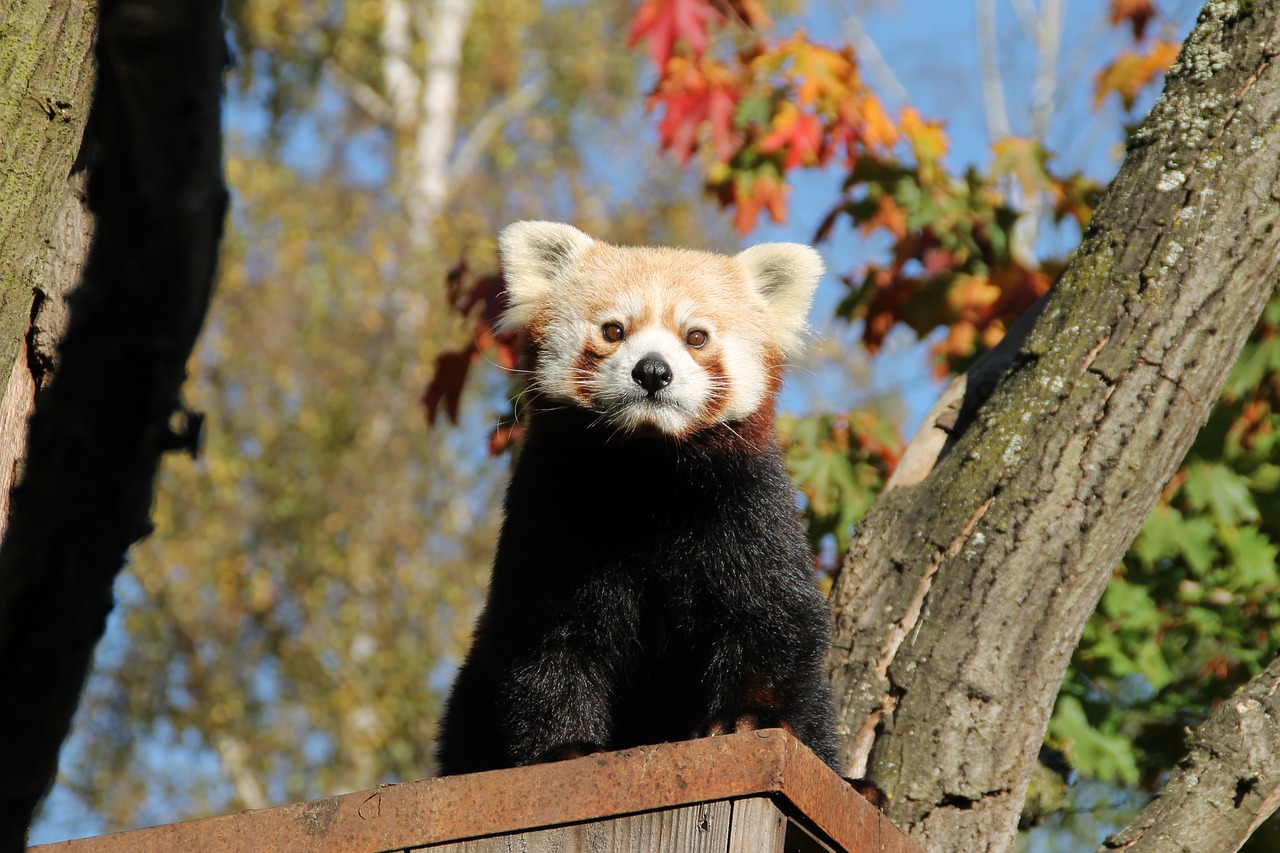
pixel 756 792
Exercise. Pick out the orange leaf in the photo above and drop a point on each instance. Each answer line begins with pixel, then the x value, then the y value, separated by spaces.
pixel 888 216
pixel 1025 159
pixel 971 294
pixel 755 192
pixel 1136 12
pixel 1131 71
pixel 927 138
pixel 823 76
pixel 878 130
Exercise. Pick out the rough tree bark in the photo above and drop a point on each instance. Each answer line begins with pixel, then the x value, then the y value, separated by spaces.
pixel 1228 784
pixel 964 594
pixel 47 81
pixel 101 425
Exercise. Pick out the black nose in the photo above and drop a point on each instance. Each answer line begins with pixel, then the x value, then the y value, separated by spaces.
pixel 652 373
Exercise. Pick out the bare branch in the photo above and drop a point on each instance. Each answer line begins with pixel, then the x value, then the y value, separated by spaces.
pixel 1028 18
pixel 1048 41
pixel 989 69
pixel 365 96
pixel 233 755
pixel 873 60
pixel 495 119
pixel 1228 784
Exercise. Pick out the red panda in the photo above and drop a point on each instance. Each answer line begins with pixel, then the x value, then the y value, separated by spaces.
pixel 652 580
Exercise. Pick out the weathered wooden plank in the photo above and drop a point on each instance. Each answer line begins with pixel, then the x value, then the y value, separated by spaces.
pixel 702 828
pixel 759 826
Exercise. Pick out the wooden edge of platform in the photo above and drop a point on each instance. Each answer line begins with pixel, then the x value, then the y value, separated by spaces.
pixel 433 811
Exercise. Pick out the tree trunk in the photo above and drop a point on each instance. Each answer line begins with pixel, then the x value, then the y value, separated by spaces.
pixel 101 425
pixel 963 595
pixel 47 81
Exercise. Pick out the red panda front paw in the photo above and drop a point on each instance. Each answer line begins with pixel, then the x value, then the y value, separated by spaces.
pixel 748 721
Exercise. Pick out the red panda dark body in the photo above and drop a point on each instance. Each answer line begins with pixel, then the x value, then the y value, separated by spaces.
pixel 652 583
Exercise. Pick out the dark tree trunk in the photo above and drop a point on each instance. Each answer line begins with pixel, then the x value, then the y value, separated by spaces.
pixel 101 425
pixel 46 74
pixel 963 595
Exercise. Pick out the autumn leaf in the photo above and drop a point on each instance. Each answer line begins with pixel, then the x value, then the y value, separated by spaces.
pixel 750 12
pixel 1075 196
pixel 796 132
pixel 1137 13
pixel 878 130
pixel 448 378
pixel 754 192
pixel 926 138
pixel 821 76
pixel 665 22
pixel 692 94
pixel 888 215
pixel 1132 71
pixel 1025 159
pixel 861 125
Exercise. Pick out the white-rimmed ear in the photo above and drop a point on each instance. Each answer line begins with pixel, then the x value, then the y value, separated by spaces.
pixel 786 275
pixel 534 255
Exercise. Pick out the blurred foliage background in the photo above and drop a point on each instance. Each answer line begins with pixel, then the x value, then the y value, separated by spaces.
pixel 291 627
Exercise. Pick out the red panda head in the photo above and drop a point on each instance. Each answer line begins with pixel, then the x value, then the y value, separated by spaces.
pixel 650 338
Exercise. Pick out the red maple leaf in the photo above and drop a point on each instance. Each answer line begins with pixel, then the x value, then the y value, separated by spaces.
pixel 664 22
pixel 800 134
pixel 694 94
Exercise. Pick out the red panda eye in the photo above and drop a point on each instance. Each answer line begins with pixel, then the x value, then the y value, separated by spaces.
pixel 612 332
pixel 696 338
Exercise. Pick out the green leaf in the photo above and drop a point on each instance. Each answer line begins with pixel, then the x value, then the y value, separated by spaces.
pixel 1222 491
pixel 1253 556
pixel 1101 755
pixel 1167 534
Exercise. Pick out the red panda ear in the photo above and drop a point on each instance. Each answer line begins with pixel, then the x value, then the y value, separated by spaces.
pixel 786 275
pixel 534 255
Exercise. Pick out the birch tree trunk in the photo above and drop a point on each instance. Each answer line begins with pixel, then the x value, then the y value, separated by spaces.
pixel 964 594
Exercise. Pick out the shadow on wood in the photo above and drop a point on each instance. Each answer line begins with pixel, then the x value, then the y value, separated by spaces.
pixel 757 791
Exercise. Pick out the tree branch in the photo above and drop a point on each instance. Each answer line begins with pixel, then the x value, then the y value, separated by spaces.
pixel 494 120
pixel 100 427
pixel 444 31
pixel 1227 785
pixel 364 95
pixel 401 83
pixel 989 69
pixel 963 596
